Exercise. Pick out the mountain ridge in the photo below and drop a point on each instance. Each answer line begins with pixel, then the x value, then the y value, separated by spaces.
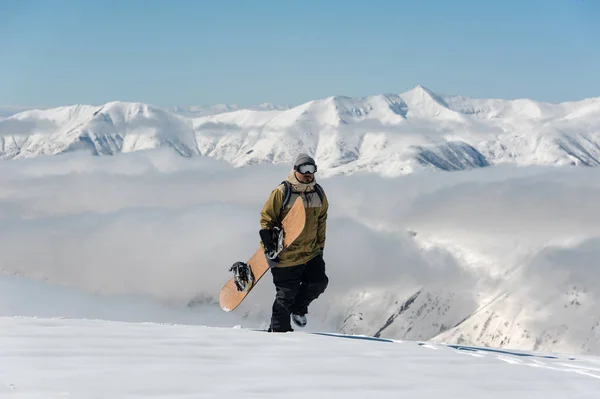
pixel 389 133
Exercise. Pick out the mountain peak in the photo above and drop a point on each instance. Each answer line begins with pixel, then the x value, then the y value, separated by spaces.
pixel 423 88
pixel 422 91
pixel 425 103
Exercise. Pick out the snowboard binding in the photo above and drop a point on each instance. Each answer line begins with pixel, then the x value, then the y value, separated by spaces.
pixel 242 275
pixel 272 239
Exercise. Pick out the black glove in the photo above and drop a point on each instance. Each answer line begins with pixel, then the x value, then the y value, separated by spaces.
pixel 270 238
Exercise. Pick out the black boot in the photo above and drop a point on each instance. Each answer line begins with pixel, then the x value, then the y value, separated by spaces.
pixel 271 330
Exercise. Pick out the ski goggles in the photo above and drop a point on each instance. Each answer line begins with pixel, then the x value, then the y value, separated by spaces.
pixel 307 168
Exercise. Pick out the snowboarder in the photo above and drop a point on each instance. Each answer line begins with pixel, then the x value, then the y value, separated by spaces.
pixel 299 272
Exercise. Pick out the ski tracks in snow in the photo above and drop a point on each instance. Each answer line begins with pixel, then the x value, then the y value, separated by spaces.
pixel 580 365
pixel 587 366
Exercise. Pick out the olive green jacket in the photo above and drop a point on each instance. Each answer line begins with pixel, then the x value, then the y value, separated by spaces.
pixel 311 242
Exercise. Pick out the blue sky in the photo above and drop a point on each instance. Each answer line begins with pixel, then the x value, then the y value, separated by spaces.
pixel 178 52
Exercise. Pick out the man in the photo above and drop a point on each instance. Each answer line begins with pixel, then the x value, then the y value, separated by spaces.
pixel 299 272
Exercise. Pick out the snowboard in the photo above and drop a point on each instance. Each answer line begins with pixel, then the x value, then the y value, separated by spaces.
pixel 293 224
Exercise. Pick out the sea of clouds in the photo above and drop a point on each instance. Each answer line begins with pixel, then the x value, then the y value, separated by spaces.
pixel 149 236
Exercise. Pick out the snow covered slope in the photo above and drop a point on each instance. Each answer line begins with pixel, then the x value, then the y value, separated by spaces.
pixel 389 134
pixel 105 130
pixel 46 358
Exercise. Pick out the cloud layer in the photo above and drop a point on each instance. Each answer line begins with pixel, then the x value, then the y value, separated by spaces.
pixel 158 226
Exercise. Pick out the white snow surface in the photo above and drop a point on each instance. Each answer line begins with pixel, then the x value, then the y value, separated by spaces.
pixel 390 134
pixel 85 359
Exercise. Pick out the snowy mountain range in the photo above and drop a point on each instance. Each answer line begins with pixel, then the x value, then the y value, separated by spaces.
pixel 390 134
pixel 566 322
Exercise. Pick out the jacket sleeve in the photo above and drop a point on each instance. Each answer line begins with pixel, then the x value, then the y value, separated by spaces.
pixel 322 224
pixel 271 211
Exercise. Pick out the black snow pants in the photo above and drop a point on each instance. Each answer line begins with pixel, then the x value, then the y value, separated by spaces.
pixel 297 287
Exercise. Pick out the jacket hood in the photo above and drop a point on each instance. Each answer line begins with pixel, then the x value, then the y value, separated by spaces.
pixel 298 186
